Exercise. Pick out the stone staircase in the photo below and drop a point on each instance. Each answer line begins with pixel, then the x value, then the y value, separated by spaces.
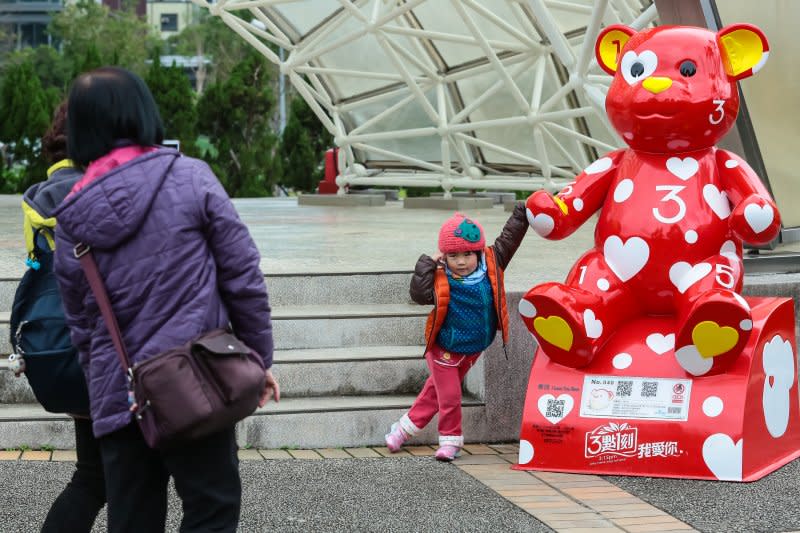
pixel 348 358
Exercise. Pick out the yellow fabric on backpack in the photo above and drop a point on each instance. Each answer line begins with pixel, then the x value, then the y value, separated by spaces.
pixel 32 220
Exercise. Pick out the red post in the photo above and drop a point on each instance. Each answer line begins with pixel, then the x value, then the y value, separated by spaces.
pixel 328 185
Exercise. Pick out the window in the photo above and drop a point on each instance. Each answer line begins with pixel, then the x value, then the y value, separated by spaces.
pixel 169 22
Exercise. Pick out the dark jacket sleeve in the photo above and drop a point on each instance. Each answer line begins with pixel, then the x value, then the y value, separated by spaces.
pixel 421 289
pixel 73 288
pixel 506 244
pixel 239 277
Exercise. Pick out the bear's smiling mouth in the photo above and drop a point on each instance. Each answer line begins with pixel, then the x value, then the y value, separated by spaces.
pixel 655 115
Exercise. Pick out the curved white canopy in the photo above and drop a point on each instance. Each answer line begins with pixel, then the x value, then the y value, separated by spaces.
pixel 479 94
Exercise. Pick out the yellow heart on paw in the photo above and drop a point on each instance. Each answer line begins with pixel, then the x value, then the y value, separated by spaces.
pixel 554 330
pixel 561 204
pixel 712 340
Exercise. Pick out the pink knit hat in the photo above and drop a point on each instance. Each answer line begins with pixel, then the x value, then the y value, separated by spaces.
pixel 460 233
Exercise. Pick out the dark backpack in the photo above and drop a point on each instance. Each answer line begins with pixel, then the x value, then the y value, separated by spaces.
pixel 39 334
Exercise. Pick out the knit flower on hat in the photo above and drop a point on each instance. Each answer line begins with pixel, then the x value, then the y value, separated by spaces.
pixel 468 230
pixel 461 234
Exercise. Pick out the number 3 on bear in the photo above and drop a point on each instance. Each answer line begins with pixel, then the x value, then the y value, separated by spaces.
pixel 716 120
pixel 671 196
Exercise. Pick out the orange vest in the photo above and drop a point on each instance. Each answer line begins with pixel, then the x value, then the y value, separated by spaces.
pixel 441 299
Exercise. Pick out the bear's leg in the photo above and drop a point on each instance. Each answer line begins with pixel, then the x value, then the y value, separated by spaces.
pixel 714 321
pixel 572 320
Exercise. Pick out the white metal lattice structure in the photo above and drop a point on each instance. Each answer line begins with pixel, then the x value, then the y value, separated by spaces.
pixel 476 94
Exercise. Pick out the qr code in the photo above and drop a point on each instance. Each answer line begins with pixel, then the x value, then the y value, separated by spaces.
pixel 624 388
pixel 649 389
pixel 555 409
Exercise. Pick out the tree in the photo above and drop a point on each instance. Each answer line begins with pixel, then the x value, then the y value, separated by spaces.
pixel 211 37
pixel 92 35
pixel 25 111
pixel 173 94
pixel 235 114
pixel 303 145
pixel 51 69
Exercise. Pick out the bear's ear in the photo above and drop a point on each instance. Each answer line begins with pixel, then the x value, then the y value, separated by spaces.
pixel 744 50
pixel 609 46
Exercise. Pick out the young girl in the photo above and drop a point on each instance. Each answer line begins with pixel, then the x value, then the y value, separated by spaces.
pixel 469 302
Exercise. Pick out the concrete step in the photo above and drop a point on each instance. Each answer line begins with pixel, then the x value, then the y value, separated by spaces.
pixel 358 370
pixel 328 326
pixel 305 288
pixel 343 326
pixel 332 421
pixel 338 288
pixel 8 286
pixel 367 370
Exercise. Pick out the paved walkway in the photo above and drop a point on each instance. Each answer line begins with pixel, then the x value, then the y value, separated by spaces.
pixel 369 489
pixel 561 502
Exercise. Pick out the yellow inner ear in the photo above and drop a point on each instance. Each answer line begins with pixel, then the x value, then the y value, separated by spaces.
pixel 610 48
pixel 744 50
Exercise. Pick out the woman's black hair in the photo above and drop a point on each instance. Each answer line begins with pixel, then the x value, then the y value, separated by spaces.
pixel 110 106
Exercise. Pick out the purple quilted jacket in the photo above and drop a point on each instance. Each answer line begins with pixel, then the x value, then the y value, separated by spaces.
pixel 176 261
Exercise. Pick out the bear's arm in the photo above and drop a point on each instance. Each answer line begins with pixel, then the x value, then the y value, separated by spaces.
pixel 754 218
pixel 572 206
pixel 739 180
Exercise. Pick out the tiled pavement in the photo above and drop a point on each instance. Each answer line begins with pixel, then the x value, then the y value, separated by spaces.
pixel 567 503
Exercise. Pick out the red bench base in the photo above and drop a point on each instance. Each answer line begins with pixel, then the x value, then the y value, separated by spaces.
pixel 634 411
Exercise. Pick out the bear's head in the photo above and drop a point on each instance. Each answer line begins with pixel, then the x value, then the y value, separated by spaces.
pixel 674 87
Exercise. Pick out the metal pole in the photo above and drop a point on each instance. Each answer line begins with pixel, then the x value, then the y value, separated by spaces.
pixel 282 96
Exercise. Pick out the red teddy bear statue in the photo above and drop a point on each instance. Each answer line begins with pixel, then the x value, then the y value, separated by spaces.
pixel 674 208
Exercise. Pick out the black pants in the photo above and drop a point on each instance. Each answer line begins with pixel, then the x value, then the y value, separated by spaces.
pixel 77 506
pixel 206 474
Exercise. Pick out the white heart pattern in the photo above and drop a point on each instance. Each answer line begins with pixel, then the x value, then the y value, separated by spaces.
pixel 683 275
pixel 723 457
pixel 526 308
pixel 683 168
pixel 779 364
pixel 594 327
pixel 659 343
pixel 525 452
pixel 628 258
pixel 621 361
pixel 556 411
pixel 717 200
pixel 623 190
pixel 729 249
pixel 692 362
pixel 759 217
pixel 601 165
pixel 542 224
pixel 741 301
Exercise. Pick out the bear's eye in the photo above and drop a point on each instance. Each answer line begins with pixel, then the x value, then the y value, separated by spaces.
pixel 688 69
pixel 637 67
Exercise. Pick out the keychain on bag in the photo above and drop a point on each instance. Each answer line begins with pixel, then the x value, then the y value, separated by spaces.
pixel 16 364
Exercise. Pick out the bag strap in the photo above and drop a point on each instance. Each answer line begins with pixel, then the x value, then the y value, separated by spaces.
pixel 84 254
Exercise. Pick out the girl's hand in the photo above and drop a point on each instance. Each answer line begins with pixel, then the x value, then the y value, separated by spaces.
pixel 271 389
pixel 437 257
